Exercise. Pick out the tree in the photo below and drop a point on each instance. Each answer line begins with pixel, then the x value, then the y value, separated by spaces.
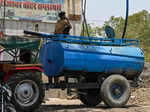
pixel 93 30
pixel 138 28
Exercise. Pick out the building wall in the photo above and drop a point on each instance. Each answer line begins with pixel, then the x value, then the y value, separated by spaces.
pixel 71 7
pixel 16 27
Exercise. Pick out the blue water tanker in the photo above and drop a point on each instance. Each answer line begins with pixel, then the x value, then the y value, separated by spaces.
pixel 100 55
pixel 100 69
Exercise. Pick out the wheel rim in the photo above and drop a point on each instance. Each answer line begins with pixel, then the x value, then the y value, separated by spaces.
pixel 116 91
pixel 26 93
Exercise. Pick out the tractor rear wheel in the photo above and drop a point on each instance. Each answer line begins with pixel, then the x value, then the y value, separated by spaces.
pixel 28 91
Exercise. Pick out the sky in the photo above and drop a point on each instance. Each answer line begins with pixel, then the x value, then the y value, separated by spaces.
pixel 98 11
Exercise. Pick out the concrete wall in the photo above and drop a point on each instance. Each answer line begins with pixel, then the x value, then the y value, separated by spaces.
pixel 72 7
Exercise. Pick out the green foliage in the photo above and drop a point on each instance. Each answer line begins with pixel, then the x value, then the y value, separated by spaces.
pixel 138 28
pixel 93 31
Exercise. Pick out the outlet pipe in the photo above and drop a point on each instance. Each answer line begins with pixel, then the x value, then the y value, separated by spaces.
pixel 126 19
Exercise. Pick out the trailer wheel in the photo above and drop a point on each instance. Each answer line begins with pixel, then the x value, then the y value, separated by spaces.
pixel 115 91
pixel 28 91
pixel 89 97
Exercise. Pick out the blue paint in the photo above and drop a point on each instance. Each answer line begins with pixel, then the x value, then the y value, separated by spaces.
pixel 91 54
pixel 119 91
pixel 52 58
pixel 109 32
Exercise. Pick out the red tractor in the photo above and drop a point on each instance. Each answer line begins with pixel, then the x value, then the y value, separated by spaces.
pixel 24 83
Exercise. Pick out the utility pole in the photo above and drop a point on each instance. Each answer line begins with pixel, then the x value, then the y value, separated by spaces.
pixel 84 17
pixel 4 17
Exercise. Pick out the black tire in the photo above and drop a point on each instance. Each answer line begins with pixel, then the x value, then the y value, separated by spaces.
pixel 10 108
pixel 89 97
pixel 115 91
pixel 28 91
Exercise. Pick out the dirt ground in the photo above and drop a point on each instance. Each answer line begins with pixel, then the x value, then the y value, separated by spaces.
pixel 139 101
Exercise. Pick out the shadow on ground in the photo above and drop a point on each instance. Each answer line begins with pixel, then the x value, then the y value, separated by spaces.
pixel 82 108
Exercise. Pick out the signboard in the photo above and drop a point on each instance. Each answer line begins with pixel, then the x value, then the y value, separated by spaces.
pixel 33 10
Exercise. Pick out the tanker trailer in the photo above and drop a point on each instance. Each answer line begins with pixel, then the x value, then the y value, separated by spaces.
pixel 101 67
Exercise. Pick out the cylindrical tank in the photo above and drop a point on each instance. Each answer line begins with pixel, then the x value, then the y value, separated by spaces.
pixel 57 56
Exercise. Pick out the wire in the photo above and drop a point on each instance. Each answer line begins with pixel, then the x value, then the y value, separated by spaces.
pixel 4 14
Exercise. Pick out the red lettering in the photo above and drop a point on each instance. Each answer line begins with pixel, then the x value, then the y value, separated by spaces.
pixel 54 7
pixel 17 4
pixel 34 5
pixel 59 7
pixel 46 7
pixel 20 5
pixel 31 5
pixel 14 4
pixel 50 7
pixel 1 2
pixel 40 6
